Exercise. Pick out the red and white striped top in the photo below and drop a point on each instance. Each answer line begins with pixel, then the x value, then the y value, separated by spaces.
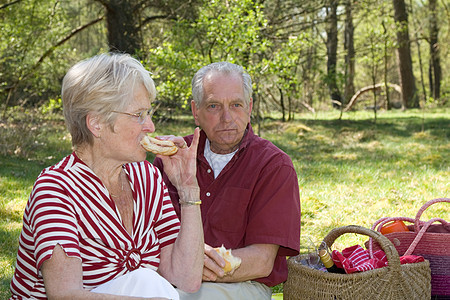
pixel 71 207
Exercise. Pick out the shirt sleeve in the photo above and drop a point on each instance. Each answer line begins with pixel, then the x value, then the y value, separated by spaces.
pixel 52 220
pixel 275 212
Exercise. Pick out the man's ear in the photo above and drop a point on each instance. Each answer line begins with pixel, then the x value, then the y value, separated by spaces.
pixel 194 110
pixel 93 124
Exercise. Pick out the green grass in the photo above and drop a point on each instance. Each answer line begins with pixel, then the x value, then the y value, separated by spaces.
pixel 350 171
pixel 354 171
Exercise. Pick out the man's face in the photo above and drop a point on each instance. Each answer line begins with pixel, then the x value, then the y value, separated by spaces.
pixel 223 114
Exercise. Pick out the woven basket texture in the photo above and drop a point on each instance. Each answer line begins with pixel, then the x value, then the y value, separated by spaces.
pixel 432 241
pixel 396 281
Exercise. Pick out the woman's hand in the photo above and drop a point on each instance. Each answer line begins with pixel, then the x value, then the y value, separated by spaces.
pixel 181 168
pixel 182 263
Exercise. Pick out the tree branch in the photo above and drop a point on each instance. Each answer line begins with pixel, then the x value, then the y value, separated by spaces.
pixel 47 53
pixel 8 4
pixel 363 90
pixel 152 18
pixel 65 39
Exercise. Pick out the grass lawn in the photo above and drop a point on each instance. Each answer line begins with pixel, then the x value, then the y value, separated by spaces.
pixel 350 171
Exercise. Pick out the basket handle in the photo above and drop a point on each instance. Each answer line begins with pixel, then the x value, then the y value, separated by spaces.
pixel 420 227
pixel 423 208
pixel 421 232
pixel 379 224
pixel 384 242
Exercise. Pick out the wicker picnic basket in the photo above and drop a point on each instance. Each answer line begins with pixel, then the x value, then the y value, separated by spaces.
pixel 396 281
pixel 430 239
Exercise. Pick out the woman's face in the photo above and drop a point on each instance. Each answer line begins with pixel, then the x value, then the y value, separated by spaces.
pixel 123 142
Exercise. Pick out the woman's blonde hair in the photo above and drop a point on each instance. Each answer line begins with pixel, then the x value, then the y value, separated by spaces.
pixel 101 84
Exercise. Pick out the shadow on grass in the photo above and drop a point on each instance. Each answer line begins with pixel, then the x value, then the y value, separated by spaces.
pixel 400 127
pixel 355 136
pixel 4 282
pixel 333 152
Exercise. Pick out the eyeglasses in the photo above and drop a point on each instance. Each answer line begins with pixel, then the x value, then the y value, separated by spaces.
pixel 142 116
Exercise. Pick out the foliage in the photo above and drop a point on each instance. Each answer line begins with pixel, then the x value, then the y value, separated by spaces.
pixel 284 64
pixel 350 171
pixel 280 43
pixel 223 31
pixel 29 29
pixel 52 106
pixel 371 38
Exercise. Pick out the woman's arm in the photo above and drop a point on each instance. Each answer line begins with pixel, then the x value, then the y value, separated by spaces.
pixel 63 279
pixel 182 263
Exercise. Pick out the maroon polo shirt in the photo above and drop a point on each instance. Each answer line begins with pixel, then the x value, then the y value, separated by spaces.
pixel 254 200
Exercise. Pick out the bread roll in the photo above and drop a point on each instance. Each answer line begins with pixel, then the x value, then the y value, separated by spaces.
pixel 231 262
pixel 158 147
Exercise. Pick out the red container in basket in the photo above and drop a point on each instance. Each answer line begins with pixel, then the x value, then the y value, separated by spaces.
pixel 395 226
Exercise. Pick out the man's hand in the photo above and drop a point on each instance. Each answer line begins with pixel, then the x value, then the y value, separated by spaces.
pixel 213 265
pixel 257 262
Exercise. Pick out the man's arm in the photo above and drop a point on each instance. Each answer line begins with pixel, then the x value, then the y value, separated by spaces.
pixel 257 262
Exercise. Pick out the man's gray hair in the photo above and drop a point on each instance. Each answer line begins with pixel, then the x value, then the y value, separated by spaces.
pixel 223 68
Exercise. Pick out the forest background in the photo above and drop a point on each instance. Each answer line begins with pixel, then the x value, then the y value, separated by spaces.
pixel 302 55
pixel 332 81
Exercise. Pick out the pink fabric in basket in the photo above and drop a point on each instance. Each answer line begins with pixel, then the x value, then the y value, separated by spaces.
pixel 356 259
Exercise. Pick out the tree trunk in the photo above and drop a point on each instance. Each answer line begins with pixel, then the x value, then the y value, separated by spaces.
pixel 385 70
pixel 350 53
pixel 409 91
pixel 283 108
pixel 374 77
pixel 435 65
pixel 332 43
pixel 308 73
pixel 419 55
pixel 123 27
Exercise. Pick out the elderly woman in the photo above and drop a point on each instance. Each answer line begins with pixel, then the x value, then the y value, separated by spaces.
pixel 100 223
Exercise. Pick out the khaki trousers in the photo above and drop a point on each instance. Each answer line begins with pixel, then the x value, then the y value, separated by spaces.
pixel 247 290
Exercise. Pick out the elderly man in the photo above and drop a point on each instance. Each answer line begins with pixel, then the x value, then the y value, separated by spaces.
pixel 249 190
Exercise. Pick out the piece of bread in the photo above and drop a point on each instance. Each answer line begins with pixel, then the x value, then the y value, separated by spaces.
pixel 158 147
pixel 231 262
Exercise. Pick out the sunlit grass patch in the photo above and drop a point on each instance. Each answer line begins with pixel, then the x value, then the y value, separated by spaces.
pixel 345 156
pixel 296 128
